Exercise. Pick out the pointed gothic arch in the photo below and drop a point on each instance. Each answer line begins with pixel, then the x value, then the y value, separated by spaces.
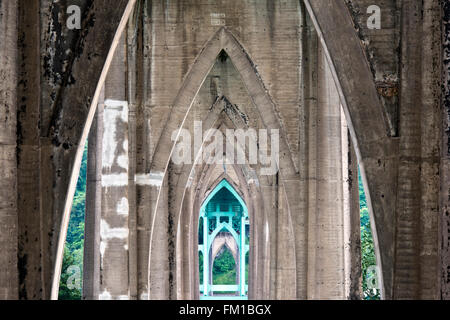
pixel 211 209
pixel 66 129
pixel 223 40
pixel 367 123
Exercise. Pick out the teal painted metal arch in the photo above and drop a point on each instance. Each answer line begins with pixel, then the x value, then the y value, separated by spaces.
pixel 209 213
pixel 224 184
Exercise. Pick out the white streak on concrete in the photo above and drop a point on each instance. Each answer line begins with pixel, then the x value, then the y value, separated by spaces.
pixel 115 180
pixel 190 181
pixel 107 233
pixel 191 178
pixel 151 179
pixel 103 246
pixel 122 160
pixel 114 111
pixel 121 106
pixel 252 178
pixel 144 296
pixel 123 207
pixel 105 295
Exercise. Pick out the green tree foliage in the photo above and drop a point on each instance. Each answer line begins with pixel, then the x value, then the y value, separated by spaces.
pixel 224 268
pixel 73 251
pixel 68 277
pixel 367 247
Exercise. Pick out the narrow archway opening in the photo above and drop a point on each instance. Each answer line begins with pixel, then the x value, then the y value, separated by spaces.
pixel 70 285
pixel 223 245
pixel 224 270
pixel 369 269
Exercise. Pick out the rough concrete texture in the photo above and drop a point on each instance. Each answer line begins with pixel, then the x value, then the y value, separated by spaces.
pixel 227 89
pixel 407 165
pixel 445 155
pixel 55 90
pixel 277 73
pixel 8 168
pixel 381 47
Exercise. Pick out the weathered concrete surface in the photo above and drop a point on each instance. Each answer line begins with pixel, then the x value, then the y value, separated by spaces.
pixel 114 228
pixel 418 179
pixel 174 193
pixel 92 270
pixel 381 48
pixel 326 219
pixel 354 266
pixel 8 164
pixel 162 76
pixel 55 94
pixel 445 152
pixel 369 132
pixel 362 82
pixel 401 175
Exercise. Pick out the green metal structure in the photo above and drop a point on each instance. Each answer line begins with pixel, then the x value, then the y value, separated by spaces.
pixel 223 211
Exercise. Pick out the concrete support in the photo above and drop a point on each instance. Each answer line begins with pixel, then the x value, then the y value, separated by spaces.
pixel 114 228
pixel 8 166
pixel 353 224
pixel 418 181
pixel 430 140
pixel 92 266
pixel 276 73
pixel 326 211
pixel 31 239
pixel 445 157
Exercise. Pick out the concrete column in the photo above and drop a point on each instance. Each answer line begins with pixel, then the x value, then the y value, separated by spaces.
pixel 114 228
pixel 326 222
pixel 8 166
pixel 346 205
pixel 144 143
pixel 406 273
pixel 91 259
pixel 445 157
pixel 351 211
pixel 418 179
pixel 355 223
pixel 307 37
pixel 132 33
pixel 310 72
pixel 431 120
pixel 31 236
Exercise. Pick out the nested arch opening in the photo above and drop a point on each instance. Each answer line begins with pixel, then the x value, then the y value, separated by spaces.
pixel 223 244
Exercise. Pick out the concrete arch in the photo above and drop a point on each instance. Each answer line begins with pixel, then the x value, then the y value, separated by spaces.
pixel 189 216
pixel 366 121
pixel 222 40
pixel 189 179
pixel 221 241
pixel 259 249
pixel 224 240
pixel 67 129
pixel 258 216
pixel 226 185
